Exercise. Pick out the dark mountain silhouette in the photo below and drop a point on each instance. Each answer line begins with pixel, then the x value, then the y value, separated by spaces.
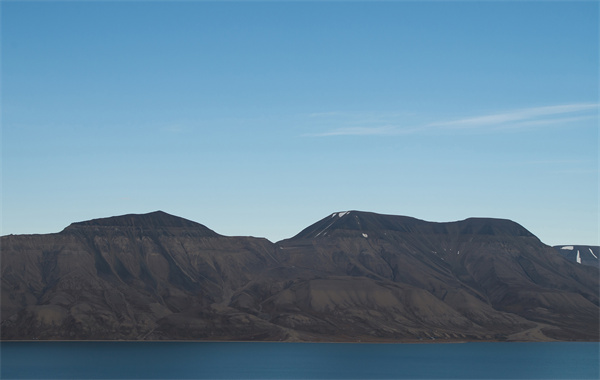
pixel 351 276
pixel 154 220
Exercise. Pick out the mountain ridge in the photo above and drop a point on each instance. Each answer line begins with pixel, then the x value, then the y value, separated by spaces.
pixel 369 221
pixel 349 276
pixel 163 219
pixel 155 219
pixel 581 254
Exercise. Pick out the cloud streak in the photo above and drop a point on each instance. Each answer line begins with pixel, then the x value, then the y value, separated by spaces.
pixel 538 115
pixel 534 117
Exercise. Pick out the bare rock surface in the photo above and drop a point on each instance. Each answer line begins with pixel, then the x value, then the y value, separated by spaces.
pixel 352 276
pixel 580 254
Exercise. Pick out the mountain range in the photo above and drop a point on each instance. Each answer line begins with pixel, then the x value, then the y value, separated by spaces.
pixel 352 276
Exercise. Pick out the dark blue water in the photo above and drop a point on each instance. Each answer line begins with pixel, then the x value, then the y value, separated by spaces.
pixel 187 360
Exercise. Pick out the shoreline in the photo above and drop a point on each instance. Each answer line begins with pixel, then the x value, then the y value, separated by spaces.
pixel 437 341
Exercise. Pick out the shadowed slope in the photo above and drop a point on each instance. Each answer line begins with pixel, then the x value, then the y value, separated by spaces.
pixel 153 220
pixel 580 254
pixel 493 272
pixel 123 278
pixel 351 276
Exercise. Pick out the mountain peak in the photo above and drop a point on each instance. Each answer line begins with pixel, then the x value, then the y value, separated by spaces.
pixel 153 220
pixel 357 221
pixel 369 222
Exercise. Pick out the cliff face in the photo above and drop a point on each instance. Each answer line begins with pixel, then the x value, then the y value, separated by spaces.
pixel 351 276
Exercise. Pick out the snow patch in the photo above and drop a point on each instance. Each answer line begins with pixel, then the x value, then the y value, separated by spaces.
pixel 592 252
pixel 342 213
pixel 325 229
pixel 365 235
pixel 458 253
pixel 578 258
pixel 569 247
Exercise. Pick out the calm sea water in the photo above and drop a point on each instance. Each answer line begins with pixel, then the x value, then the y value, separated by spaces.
pixel 193 360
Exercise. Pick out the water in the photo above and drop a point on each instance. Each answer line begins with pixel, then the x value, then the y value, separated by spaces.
pixel 195 360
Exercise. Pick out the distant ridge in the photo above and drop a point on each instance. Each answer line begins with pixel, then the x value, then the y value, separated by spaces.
pixel 580 254
pixel 156 219
pixel 372 222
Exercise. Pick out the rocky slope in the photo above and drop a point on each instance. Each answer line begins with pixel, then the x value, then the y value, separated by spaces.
pixel 351 276
pixel 477 277
pixel 580 254
pixel 130 277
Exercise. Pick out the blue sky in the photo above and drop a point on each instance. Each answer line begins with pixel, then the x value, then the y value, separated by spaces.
pixel 260 118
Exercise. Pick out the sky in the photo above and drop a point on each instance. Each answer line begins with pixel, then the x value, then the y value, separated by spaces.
pixel 260 118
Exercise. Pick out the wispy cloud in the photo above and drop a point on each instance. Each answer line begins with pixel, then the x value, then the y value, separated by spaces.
pixel 534 117
pixel 557 162
pixel 545 122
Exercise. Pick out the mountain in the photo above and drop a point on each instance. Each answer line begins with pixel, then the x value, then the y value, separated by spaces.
pixel 580 254
pixel 477 277
pixel 352 276
pixel 152 276
pixel 154 220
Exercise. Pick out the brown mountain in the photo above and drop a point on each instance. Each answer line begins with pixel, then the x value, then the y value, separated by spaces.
pixel 478 277
pixel 152 276
pixel 351 276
